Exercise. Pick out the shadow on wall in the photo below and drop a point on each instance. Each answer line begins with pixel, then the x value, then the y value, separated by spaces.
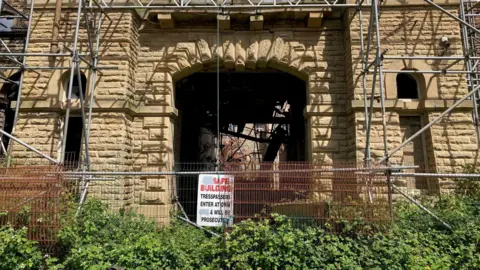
pixel 313 59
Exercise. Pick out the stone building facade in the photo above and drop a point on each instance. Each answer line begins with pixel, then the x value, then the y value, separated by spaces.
pixel 135 121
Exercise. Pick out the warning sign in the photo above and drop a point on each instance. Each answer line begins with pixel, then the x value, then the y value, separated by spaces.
pixel 215 200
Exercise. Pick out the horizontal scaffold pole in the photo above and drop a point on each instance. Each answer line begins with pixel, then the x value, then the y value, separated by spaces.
pixel 378 169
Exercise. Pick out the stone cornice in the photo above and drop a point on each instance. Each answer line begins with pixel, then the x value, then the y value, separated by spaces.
pixel 415 105
pixel 141 109
pixel 99 106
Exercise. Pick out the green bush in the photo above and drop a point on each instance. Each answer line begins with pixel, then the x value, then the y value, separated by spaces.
pixel 469 187
pixel 98 239
pixel 275 244
pixel 16 251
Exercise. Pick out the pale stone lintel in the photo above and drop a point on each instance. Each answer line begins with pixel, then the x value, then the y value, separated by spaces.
pixel 223 22
pixel 313 110
pixel 423 105
pixel 165 20
pixel 411 2
pixel 100 106
pixel 315 19
pixel 256 22
pixel 186 13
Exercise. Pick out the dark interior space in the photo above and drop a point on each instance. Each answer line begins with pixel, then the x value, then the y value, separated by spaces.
pixel 246 99
pixel 76 86
pixel 406 86
pixel 8 93
pixel 74 142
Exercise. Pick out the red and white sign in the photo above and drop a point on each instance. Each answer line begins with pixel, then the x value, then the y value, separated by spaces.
pixel 215 200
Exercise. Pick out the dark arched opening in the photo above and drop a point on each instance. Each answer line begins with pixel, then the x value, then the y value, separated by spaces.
pixel 407 87
pixel 260 121
pixel 262 110
pixel 8 93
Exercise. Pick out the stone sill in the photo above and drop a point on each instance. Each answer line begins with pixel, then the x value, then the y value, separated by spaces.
pixel 99 106
pixel 415 105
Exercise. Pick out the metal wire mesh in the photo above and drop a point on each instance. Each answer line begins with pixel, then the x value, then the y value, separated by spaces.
pixel 32 197
pixel 305 192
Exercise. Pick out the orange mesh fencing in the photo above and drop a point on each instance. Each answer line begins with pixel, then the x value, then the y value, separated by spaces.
pixel 307 193
pixel 32 197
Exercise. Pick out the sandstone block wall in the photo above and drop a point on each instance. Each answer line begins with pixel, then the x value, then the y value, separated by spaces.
pixel 135 120
pixel 415 31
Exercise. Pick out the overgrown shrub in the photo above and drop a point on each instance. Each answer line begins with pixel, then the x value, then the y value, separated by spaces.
pixel 16 251
pixel 469 187
pixel 101 239
pixel 416 241
pixel 98 239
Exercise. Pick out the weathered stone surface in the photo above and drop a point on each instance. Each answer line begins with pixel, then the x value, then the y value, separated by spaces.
pixel 134 107
pixel 160 183
pixel 154 197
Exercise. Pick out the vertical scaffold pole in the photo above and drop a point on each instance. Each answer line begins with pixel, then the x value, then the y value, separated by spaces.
pixel 20 82
pixel 75 62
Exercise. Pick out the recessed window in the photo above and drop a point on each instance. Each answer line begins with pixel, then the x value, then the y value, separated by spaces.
pixel 415 152
pixel 407 87
pixel 8 93
pixel 73 145
pixel 76 86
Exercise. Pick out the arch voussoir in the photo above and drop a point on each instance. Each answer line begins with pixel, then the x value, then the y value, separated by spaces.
pixel 240 53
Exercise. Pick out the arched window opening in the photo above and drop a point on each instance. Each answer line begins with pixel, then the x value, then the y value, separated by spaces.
pixel 261 126
pixel 8 93
pixel 76 86
pixel 407 87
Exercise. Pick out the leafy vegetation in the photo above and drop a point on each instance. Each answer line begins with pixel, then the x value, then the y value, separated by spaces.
pixel 97 239
pixel 16 251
